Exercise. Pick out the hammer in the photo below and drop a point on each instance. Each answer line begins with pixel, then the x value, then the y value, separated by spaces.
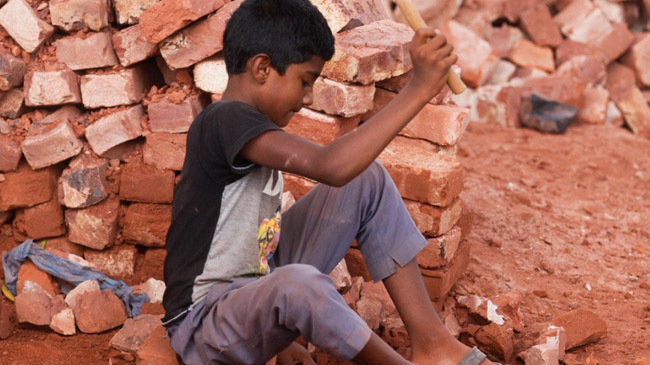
pixel 416 22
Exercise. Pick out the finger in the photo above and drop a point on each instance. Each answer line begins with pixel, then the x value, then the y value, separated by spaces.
pixel 441 53
pixel 437 42
pixel 449 60
pixel 423 34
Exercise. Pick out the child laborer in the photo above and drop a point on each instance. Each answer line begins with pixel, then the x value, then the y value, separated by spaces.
pixel 240 292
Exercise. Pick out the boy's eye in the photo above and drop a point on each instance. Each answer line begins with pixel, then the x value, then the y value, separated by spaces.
pixel 305 83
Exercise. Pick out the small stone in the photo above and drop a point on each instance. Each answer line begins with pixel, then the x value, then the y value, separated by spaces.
pixel 540 293
pixel 547 266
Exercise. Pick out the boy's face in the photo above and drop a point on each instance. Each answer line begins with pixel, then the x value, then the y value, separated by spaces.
pixel 284 95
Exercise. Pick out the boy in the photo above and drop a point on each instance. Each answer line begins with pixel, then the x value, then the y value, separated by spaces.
pixel 237 290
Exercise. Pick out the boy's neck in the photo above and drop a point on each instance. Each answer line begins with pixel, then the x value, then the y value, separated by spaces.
pixel 236 90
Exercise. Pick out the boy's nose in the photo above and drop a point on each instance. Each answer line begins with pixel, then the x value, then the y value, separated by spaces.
pixel 308 97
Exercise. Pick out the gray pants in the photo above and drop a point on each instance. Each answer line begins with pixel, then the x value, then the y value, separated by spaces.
pixel 249 320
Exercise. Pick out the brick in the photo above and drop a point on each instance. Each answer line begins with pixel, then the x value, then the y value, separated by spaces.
pixel 131 47
pixel 539 25
pixel 63 322
pixel 124 87
pixel 434 221
pixel 26 187
pixel 97 312
pixel 50 144
pixel 23 25
pixel 32 279
pixel 162 19
pixel 620 80
pixel 614 12
pixel 147 224
pixel 64 113
pixel 10 154
pixel 341 277
pixel 210 75
pixel 198 41
pixel 117 262
pixel 476 57
pixel 155 289
pixel 502 39
pixel 590 70
pixel 34 308
pixel 616 42
pixel 588 28
pixel 146 184
pixel 63 245
pixel 440 124
pixel 44 220
pixel 297 185
pixel 439 251
pixel 180 76
pixel 439 282
pixel 320 128
pixel 638 58
pixel 83 183
pixel 594 106
pixel 572 14
pixel 421 174
pixel 123 151
pixel 165 151
pixel 72 15
pixel 369 53
pixel 168 117
pixel 504 71
pixel 582 327
pixel 135 330
pixel 85 286
pixel 12 103
pixel 544 354
pixel 563 88
pixel 629 99
pixel 156 349
pixel 12 71
pixel 44 88
pixel 342 99
pixel 129 11
pixel 345 15
pixel 94 227
pixel 569 49
pixel 93 51
pixel 356 265
pixel 114 129
pixel 527 54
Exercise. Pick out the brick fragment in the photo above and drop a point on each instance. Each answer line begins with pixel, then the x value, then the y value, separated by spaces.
pixel 64 113
pixel 369 53
pixel 146 184
pixel 72 15
pixel 638 58
pixel 527 54
pixel 147 224
pixel 94 51
pixel 502 39
pixel 135 330
pixel 32 279
pixel 83 183
pixel 10 154
pixel 616 42
pixel 582 327
pixel 49 144
pixel 112 89
pixel 52 88
pixel 34 308
pixel 590 70
pixel 94 227
pixel 320 128
pixel 420 173
pixel 180 76
pixel 439 250
pixel 341 277
pixel 629 99
pixel 27 187
pixel 12 71
pixel 23 25
pixel 131 47
pixel 63 322
pixel 615 12
pixel 440 281
pixel 342 99
pixel 85 286
pixel 572 14
pixel 12 103
pixel 165 151
pixel 162 19
pixel 345 15
pixel 117 262
pixel 210 75
pixel 114 129
pixel 129 11
pixel 156 349
pixel 476 57
pixel 434 221
pixel 168 117
pixel 62 244
pixel 44 220
pixel 569 49
pixel 155 289
pixel 494 339
pixel 97 312
pixel 504 71
pixel 539 25
pixel 297 185
pixel 594 106
pixel 199 41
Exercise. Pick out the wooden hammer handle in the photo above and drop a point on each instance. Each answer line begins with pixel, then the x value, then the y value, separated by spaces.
pixel 414 18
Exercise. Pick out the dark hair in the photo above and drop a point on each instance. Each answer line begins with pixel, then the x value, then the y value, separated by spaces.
pixel 288 31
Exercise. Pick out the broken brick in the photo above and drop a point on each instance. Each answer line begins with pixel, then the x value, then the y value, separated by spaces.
pixel 540 26
pixel 502 39
pixel 27 187
pixel 440 281
pixel 67 113
pixel 341 277
pixel 590 70
pixel 131 47
pixel 44 220
pixel 34 308
pixel 10 154
pixel 629 99
pixel 44 88
pixel 637 58
pixel 164 18
pixel 179 76
pixel 594 106
pixel 320 128
pixel 210 75
pixel 50 144
pixel 12 103
pixel 117 262
pixel 63 322
pixel 99 311
pixel 165 150
pixel 112 89
pixel 168 117
pixel 12 71
pixel 93 51
pixel 297 185
pixel 356 264
pixel 72 15
pixel 569 49
pixel 616 42
pixel 23 25
pixel 94 227
pixel 439 250
pixel 342 99
pixel 147 224
pixel 345 15
pixel 114 129
pixel 434 221
pixel 62 244
pixel 135 330
pixel 129 11
pixel 146 184
pixel 83 183
pixel 504 71
pixel 32 279
pixel 527 54
pixel 582 327
pixel 156 349
pixel 85 286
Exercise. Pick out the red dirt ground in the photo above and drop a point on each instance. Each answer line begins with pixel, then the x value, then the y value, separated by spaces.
pixel 576 205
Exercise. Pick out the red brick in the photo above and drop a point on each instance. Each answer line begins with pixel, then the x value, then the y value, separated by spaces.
pixel 151 266
pixel 84 286
pixel 573 14
pixel 588 69
pixel 527 54
pixel 10 154
pixel 156 349
pixel 12 71
pixel 544 354
pixel 131 47
pixel 62 244
pixel 168 117
pixel 12 103
pixel 504 71
pixel 440 281
pixel 440 124
pixel 369 53
pixel 44 220
pixel 180 76
pixel 146 184
pixel 434 221
pixel 134 332
pixel 94 227
pixel 439 251
pixel 297 185
pixel 147 224
pixel 72 15
pixel 164 18
pixel 616 42
pixel 615 12
pixel 356 265
pixel 582 327
pixel 112 89
pixel 559 87
pixel 165 151
pixel 420 173
pixel 620 80
pixel 569 49
pixel 345 15
pixel 502 39
pixel 23 25
pixel 32 279
pixel 93 51
pixel 52 88
pixel 629 99
pixel 594 106
pixel 99 311
pixel 210 75
pixel 114 129
pixel 476 57
pixel 49 144
pixel 67 113
pixel 638 58
pixel 83 182
pixel 320 128
pixel 63 322
pixel 26 187
pixel 34 308
pixel 117 262
pixel 129 11
pixel 541 28
pixel 342 99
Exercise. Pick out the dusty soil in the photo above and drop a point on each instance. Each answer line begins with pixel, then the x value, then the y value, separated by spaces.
pixel 554 215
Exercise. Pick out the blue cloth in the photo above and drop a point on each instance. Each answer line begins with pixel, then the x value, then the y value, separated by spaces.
pixel 68 271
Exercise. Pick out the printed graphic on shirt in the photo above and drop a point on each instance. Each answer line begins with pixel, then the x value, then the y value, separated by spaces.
pixel 268 236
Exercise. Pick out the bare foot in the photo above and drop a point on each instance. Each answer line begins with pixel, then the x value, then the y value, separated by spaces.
pixel 448 354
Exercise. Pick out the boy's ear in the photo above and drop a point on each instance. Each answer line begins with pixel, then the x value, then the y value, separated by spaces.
pixel 260 67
